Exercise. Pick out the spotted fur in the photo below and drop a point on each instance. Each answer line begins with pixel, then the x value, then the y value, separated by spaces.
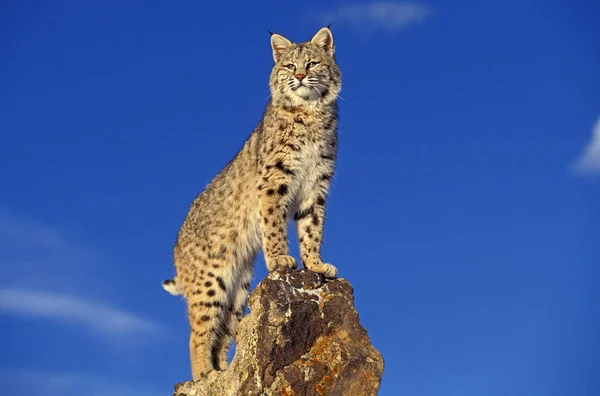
pixel 283 171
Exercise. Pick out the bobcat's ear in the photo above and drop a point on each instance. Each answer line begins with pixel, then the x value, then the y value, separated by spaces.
pixel 279 44
pixel 324 39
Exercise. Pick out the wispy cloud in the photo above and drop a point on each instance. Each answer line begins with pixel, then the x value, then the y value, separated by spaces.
pixel 36 382
pixel 17 230
pixel 53 277
pixel 589 161
pixel 95 317
pixel 379 15
pixel 48 275
pixel 38 254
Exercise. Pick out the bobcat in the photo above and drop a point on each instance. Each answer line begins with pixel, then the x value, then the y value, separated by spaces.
pixel 283 170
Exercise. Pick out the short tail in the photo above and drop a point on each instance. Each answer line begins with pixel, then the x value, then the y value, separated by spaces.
pixel 173 287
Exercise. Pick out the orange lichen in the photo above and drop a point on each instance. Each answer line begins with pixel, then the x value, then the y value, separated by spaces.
pixel 325 351
pixel 286 390
pixel 324 385
pixel 325 297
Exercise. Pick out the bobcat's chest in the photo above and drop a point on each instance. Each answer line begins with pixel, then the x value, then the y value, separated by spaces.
pixel 308 163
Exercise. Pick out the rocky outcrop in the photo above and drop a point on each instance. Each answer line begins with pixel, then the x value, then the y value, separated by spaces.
pixel 302 337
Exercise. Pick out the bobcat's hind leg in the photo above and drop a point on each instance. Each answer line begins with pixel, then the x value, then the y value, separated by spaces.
pixel 207 304
pixel 235 311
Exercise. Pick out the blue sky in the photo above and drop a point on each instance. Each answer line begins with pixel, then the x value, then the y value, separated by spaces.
pixel 464 211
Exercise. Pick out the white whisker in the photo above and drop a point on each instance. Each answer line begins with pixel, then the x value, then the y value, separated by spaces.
pixel 265 99
pixel 324 86
pixel 318 91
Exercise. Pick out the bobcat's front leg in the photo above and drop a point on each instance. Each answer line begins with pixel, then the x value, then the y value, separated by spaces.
pixel 309 227
pixel 273 190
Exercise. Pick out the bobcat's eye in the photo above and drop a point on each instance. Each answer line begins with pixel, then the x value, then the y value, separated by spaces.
pixel 311 64
pixel 290 67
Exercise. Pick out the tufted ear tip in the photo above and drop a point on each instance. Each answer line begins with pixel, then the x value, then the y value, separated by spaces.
pixel 324 39
pixel 279 44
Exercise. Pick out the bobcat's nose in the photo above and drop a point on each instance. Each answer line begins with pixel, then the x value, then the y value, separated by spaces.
pixel 300 76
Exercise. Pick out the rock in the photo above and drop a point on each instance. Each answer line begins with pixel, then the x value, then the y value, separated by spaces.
pixel 302 337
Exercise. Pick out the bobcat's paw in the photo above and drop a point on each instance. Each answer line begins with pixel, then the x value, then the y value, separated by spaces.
pixel 315 264
pixel 281 262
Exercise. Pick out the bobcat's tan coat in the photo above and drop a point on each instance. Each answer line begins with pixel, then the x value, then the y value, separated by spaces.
pixel 283 170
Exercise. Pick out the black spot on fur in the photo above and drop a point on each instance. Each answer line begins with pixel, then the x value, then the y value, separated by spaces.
pixel 293 147
pixel 214 355
pixel 211 292
pixel 303 213
pixel 208 283
pixel 284 169
pixel 315 220
pixel 320 201
pixel 221 283
pixel 270 191
pixel 283 189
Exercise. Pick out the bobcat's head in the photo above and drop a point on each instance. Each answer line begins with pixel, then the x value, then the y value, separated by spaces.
pixel 305 72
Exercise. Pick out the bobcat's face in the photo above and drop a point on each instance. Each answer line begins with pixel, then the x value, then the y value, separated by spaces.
pixel 305 72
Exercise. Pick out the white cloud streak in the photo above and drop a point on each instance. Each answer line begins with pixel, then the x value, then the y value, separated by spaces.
pixel 589 161
pixel 36 254
pixel 45 275
pixel 95 317
pixel 379 15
